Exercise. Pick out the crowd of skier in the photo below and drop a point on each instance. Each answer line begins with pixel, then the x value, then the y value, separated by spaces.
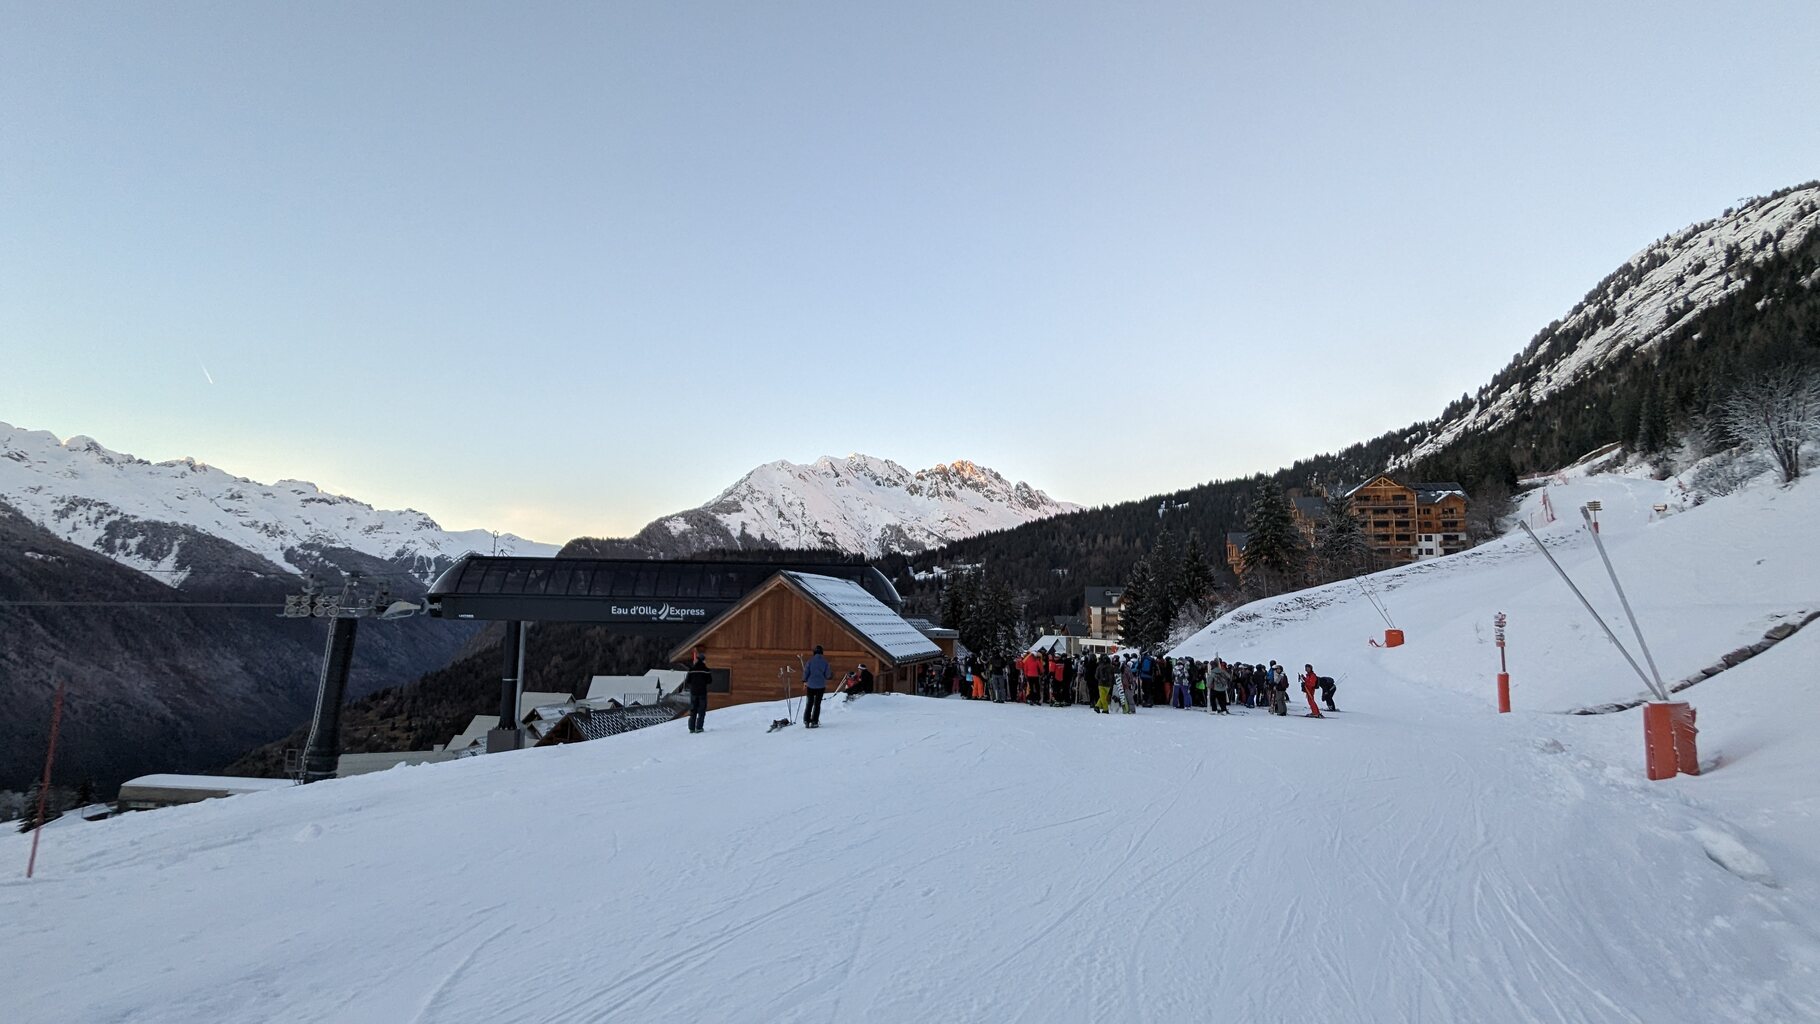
pixel 1110 682
pixel 1123 682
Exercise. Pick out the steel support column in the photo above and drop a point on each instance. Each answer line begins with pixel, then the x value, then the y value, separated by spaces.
pixel 324 748
pixel 511 658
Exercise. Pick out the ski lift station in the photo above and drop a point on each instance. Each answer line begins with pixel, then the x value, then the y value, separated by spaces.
pixel 756 620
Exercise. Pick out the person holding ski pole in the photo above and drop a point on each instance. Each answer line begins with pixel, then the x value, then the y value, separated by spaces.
pixel 1311 682
pixel 699 679
pixel 816 673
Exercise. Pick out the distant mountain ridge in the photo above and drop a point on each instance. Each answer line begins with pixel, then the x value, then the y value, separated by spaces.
pixel 859 505
pixel 167 519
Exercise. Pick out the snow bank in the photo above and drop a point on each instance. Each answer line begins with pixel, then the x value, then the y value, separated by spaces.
pixel 1704 581
pixel 1413 858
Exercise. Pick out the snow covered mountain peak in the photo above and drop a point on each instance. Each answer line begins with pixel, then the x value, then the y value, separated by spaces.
pixel 1637 306
pixel 860 504
pixel 162 518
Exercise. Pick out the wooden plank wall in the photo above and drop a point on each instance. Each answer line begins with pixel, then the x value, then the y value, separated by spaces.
pixel 769 634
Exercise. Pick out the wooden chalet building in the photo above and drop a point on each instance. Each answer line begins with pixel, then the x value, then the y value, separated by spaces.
pixel 1407 522
pixel 761 639
pixel 1235 551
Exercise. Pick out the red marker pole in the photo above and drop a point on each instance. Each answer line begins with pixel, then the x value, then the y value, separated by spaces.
pixel 44 788
pixel 1503 669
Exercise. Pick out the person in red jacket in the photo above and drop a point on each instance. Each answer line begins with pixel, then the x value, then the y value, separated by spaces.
pixel 1033 670
pixel 1311 683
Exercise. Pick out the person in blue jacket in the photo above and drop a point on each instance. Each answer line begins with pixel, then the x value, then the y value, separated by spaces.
pixel 815 683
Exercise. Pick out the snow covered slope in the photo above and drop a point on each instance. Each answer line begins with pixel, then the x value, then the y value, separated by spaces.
pixel 1413 859
pixel 150 516
pixel 1704 581
pixel 858 504
pixel 1636 306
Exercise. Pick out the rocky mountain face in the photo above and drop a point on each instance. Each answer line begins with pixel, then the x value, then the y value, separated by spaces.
pixel 121 577
pixel 859 505
pixel 1661 291
pixel 155 682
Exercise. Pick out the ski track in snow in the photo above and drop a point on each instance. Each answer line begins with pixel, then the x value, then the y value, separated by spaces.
pixel 1415 859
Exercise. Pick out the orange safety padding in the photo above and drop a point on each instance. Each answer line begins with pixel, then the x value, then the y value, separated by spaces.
pixel 1669 737
pixel 1687 752
pixel 1393 638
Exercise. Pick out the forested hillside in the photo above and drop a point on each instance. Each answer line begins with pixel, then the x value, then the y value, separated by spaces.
pixel 1647 400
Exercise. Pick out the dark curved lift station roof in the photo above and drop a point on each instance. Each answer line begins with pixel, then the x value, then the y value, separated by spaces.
pixel 656 597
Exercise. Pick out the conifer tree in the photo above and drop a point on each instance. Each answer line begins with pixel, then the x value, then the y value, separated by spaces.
pixel 52 812
pixel 982 610
pixel 994 622
pixel 1197 575
pixel 1272 552
pixel 1652 421
pixel 960 591
pixel 1340 545
pixel 1166 577
pixel 1139 624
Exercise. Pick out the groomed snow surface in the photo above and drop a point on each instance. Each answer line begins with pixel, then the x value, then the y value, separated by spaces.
pixel 1416 857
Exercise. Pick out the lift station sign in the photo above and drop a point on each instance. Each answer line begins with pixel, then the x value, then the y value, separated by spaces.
pixel 666 612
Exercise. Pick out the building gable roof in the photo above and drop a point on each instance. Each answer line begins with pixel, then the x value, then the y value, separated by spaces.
pixel 1310 507
pixel 870 620
pixel 1386 477
pixel 1429 493
pixel 867 616
pixel 1103 597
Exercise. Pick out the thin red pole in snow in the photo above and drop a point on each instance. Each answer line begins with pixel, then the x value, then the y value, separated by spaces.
pixel 44 787
pixel 1503 669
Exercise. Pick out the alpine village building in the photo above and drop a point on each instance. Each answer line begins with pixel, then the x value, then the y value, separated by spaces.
pixel 761 640
pixel 1402 522
pixel 1410 522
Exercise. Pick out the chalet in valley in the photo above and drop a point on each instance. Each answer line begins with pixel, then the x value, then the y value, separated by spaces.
pixel 1402 522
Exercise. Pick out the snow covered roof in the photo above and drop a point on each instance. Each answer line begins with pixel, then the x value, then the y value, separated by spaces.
pixel 933 631
pixel 531 700
pixel 207 783
pixel 1426 493
pixel 642 689
pixel 867 616
pixel 474 733
pixel 1429 493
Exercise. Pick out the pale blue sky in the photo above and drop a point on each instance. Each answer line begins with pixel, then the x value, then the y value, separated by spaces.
pixel 561 268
